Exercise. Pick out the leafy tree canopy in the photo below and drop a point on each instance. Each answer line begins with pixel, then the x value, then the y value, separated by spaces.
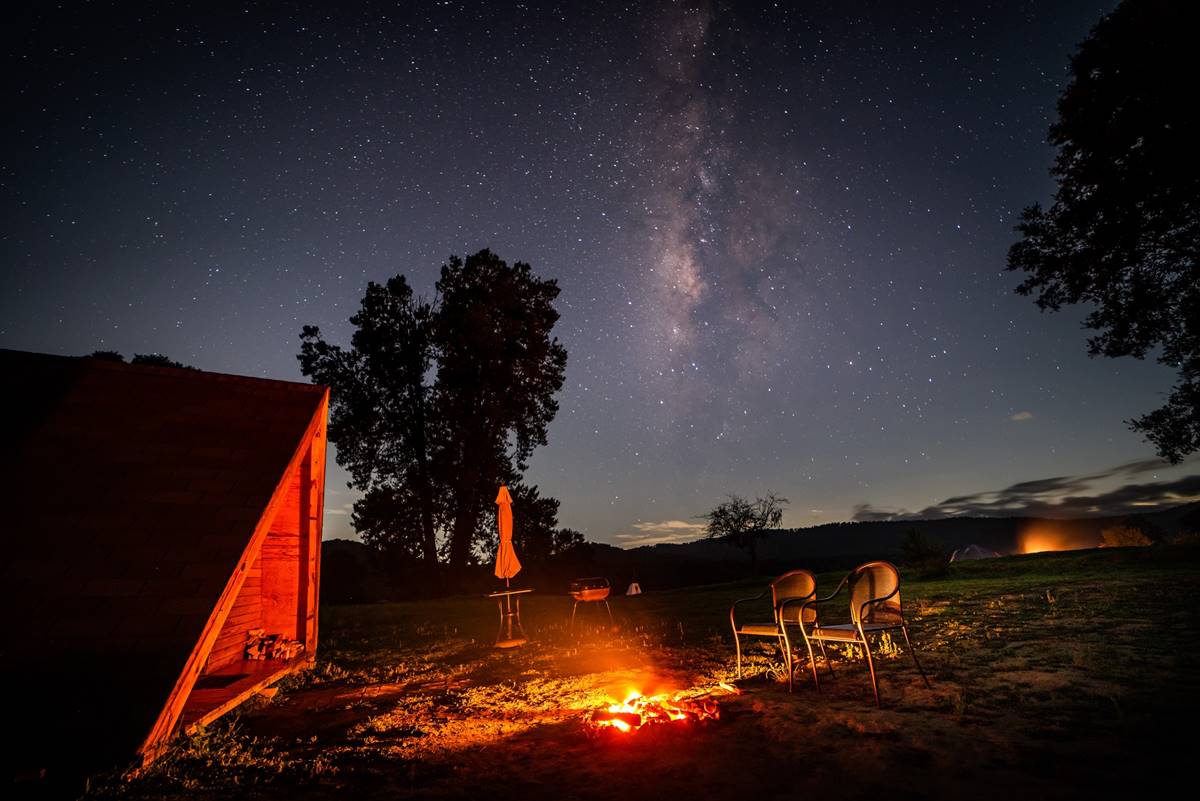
pixel 1123 232
pixel 436 403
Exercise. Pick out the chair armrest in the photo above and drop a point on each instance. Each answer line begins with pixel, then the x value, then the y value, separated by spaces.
pixel 733 606
pixel 834 594
pixel 805 603
pixel 872 601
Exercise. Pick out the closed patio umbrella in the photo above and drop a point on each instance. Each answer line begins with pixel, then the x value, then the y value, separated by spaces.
pixel 507 564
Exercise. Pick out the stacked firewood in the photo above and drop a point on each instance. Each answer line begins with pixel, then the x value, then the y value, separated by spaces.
pixel 260 645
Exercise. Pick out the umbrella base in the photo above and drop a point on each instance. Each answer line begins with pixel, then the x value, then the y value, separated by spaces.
pixel 513 643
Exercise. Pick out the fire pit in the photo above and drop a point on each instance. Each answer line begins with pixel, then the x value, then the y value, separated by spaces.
pixel 638 711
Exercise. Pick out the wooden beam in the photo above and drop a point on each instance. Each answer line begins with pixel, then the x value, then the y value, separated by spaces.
pixel 241 691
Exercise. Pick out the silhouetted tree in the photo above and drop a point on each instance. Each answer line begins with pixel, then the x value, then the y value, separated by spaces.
pixel 152 359
pixel 926 557
pixel 1123 232
pixel 567 540
pixel 742 523
pixel 535 522
pixel 436 404
pixel 498 370
pixel 379 416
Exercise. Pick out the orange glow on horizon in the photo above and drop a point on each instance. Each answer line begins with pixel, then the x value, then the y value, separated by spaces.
pixel 1044 538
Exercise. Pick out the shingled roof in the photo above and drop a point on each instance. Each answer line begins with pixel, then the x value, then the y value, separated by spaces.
pixel 130 494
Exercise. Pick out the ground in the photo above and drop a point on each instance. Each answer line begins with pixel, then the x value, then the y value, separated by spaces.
pixel 1053 676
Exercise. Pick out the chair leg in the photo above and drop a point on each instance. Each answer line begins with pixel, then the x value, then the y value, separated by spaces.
pixel 786 643
pixel 916 661
pixel 870 665
pixel 737 643
pixel 812 661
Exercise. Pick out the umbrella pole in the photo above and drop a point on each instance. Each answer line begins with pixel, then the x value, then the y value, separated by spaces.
pixel 508 609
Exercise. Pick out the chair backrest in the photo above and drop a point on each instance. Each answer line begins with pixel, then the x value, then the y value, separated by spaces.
pixel 875 580
pixel 794 584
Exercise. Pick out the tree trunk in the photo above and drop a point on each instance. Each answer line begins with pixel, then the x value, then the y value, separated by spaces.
pixel 466 516
pixel 471 459
pixel 425 497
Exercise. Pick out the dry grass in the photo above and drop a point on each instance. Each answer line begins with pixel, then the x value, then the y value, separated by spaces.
pixel 1056 676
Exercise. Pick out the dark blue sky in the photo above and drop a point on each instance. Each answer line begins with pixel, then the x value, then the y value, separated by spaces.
pixel 780 232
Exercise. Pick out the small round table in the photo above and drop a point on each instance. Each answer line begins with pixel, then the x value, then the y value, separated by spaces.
pixel 509 602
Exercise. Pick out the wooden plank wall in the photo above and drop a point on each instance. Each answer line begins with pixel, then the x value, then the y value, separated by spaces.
pixel 281 575
pixel 281 589
pixel 246 614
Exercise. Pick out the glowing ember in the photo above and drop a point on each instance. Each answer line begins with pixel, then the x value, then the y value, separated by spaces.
pixel 638 710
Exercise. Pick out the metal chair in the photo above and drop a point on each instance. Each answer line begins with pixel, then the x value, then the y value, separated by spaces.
pixel 791 595
pixel 874 608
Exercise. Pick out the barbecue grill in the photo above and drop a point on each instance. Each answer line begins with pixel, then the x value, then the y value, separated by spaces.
pixel 590 590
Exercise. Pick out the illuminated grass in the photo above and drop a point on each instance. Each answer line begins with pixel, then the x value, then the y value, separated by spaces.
pixel 1055 674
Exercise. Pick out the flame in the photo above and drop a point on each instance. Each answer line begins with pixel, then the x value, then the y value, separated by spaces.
pixel 639 710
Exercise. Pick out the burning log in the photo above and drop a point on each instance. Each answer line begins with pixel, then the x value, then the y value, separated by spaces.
pixel 638 710
pixel 606 717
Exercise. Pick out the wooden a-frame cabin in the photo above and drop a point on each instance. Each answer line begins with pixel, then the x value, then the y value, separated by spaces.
pixel 152 518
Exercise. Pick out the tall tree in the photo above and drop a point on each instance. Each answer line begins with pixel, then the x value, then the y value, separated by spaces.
pixel 436 404
pixel 742 523
pixel 499 368
pixel 1123 232
pixel 380 413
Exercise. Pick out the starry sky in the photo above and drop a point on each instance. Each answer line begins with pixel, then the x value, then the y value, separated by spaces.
pixel 779 230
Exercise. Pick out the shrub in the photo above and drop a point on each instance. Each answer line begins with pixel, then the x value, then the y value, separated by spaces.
pixel 1124 536
pixel 926 558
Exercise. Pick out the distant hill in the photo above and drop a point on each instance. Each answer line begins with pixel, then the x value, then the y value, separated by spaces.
pixel 843 545
pixel 352 573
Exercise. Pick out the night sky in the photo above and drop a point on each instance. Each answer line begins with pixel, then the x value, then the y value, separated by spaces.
pixel 779 232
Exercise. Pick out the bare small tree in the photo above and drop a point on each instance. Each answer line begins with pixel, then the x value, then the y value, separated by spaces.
pixel 742 522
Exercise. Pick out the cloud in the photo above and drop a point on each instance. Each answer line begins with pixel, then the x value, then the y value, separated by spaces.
pixel 1057 496
pixel 1021 417
pixel 663 531
pixel 339 511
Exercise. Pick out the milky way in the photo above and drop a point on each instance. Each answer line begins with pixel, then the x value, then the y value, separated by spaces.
pixel 779 230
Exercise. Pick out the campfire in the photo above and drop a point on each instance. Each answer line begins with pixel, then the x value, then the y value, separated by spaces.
pixel 638 711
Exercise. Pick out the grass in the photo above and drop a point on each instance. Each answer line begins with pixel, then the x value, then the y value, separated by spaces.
pixel 1056 675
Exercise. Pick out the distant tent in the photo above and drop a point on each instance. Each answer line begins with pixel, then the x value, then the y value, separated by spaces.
pixel 970 553
pixel 153 517
pixel 634 589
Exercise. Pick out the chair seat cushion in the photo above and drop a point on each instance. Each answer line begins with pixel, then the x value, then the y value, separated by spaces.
pixel 847 631
pixel 760 631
